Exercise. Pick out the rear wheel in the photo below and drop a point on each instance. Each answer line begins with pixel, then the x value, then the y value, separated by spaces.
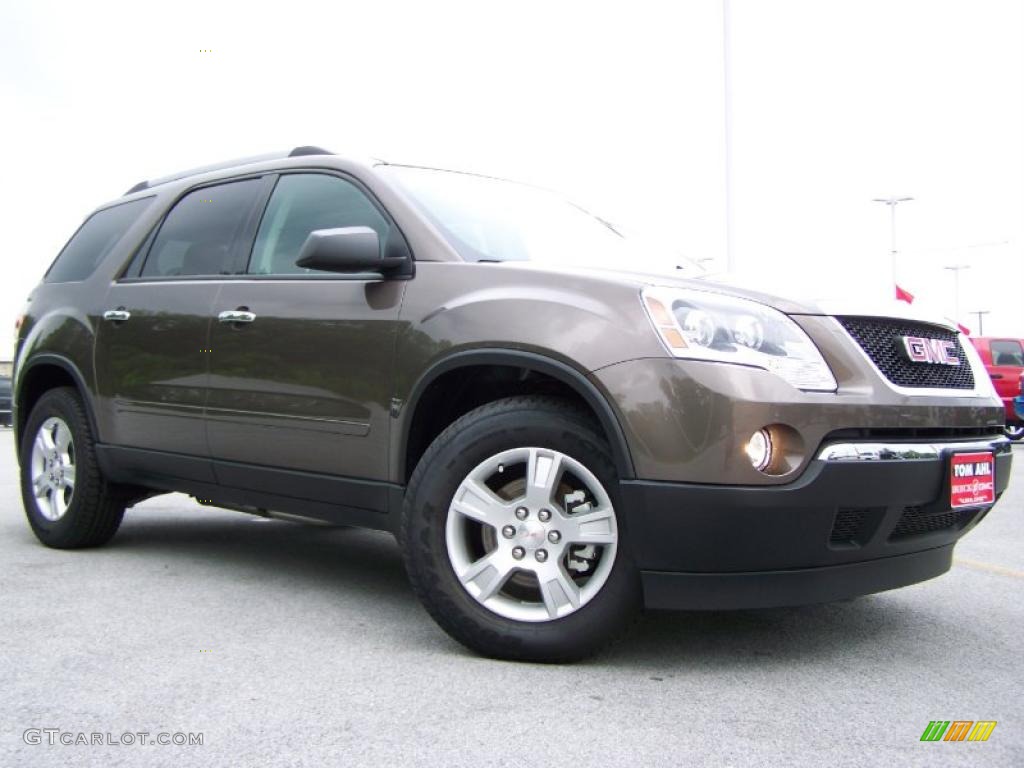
pixel 513 536
pixel 67 501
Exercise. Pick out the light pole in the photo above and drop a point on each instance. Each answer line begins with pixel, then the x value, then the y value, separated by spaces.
pixel 730 253
pixel 955 269
pixel 980 313
pixel 892 202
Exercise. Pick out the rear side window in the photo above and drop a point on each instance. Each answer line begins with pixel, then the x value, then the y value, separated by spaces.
pixel 94 240
pixel 200 234
pixel 302 203
pixel 1007 352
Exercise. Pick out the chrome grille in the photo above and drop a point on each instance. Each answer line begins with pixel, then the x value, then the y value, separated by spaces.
pixel 880 338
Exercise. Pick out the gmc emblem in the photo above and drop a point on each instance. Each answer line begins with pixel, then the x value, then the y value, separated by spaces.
pixel 934 351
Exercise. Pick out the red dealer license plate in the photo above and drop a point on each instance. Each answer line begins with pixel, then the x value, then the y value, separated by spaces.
pixel 973 480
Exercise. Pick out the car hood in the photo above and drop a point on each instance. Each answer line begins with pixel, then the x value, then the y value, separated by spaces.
pixel 669 278
pixel 830 297
pixel 824 299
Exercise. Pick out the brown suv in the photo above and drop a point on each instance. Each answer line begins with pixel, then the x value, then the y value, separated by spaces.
pixel 466 362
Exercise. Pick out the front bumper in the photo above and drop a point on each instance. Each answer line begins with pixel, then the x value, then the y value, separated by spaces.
pixel 687 421
pixel 862 518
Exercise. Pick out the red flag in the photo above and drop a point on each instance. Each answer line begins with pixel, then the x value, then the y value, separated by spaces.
pixel 964 329
pixel 902 295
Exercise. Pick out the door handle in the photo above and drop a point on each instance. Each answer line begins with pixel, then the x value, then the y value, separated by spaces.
pixel 117 315
pixel 236 316
pixel 995 375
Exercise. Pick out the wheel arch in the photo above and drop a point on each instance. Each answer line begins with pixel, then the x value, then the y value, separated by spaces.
pixel 40 374
pixel 532 362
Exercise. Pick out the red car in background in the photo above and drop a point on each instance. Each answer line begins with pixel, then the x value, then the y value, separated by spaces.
pixel 1018 404
pixel 1004 361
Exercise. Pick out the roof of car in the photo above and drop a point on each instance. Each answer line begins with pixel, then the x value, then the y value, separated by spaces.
pixel 302 151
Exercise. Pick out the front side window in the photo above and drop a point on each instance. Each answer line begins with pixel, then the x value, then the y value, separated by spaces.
pixel 94 240
pixel 1007 352
pixel 302 203
pixel 199 235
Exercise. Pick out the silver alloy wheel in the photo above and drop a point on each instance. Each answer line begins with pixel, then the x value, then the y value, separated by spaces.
pixel 531 534
pixel 53 468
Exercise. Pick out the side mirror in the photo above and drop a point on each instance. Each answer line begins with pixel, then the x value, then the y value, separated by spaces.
pixel 346 249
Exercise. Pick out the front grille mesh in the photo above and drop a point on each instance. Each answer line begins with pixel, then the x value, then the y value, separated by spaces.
pixel 915 521
pixel 848 526
pixel 880 340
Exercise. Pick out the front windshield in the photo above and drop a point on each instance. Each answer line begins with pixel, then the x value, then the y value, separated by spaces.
pixel 487 219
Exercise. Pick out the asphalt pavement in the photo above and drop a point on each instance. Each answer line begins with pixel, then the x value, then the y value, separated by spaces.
pixel 284 644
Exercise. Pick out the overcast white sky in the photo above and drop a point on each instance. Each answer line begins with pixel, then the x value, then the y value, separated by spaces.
pixel 834 102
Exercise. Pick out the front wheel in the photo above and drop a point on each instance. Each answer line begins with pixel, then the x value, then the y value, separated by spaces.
pixel 514 537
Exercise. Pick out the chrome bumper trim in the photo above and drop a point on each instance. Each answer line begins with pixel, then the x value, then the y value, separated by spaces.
pixel 908 451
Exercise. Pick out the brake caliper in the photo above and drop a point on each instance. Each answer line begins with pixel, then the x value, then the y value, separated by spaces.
pixel 581 557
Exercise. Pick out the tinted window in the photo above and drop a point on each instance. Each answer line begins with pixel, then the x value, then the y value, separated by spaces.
pixel 1007 353
pixel 94 240
pixel 199 234
pixel 300 204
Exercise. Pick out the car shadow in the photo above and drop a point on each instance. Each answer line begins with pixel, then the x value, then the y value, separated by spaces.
pixel 321 557
pixel 727 640
pixel 336 560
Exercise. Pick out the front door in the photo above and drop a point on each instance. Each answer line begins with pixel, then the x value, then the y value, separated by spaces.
pixel 301 361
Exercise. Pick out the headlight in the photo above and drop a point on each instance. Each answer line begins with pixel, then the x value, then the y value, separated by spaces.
pixel 708 326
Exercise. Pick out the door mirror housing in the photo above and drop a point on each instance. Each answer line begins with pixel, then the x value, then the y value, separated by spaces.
pixel 350 249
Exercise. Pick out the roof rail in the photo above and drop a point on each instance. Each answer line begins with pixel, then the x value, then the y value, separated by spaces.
pixel 296 152
pixel 303 151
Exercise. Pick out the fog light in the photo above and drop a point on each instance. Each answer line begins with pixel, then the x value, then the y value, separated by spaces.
pixel 759 449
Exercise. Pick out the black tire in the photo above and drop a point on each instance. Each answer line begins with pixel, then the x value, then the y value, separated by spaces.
pixel 506 424
pixel 1014 431
pixel 96 507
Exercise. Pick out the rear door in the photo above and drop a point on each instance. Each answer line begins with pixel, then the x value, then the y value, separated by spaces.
pixel 152 347
pixel 301 366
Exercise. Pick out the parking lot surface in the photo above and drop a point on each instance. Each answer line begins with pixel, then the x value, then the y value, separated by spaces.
pixel 285 644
